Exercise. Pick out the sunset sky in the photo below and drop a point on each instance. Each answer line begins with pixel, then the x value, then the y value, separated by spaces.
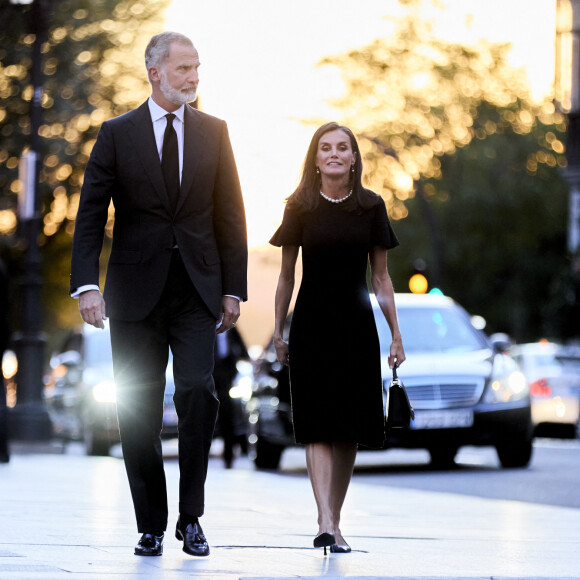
pixel 259 71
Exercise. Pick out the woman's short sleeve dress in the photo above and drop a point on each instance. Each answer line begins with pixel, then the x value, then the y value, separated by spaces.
pixel 335 366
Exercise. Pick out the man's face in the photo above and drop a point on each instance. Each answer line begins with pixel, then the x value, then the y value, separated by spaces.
pixel 178 74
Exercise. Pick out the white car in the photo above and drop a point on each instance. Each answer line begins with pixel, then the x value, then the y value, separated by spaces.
pixel 80 392
pixel 553 372
pixel 464 391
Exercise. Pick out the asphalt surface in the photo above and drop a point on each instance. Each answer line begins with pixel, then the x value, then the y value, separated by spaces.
pixel 70 516
pixel 552 478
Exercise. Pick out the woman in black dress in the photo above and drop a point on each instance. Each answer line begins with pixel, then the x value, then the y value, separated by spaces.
pixel 333 348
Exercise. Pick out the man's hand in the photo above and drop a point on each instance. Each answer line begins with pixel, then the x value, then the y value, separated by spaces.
pixel 92 308
pixel 229 314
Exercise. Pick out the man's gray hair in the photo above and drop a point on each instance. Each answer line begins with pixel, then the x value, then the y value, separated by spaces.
pixel 159 46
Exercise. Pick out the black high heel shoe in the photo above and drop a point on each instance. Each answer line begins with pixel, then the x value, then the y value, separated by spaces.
pixel 323 540
pixel 340 549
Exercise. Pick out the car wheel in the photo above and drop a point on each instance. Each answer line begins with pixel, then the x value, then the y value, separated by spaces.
pixel 515 453
pixel 267 454
pixel 94 444
pixel 443 457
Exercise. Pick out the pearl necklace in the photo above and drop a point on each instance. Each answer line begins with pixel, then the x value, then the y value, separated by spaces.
pixel 332 200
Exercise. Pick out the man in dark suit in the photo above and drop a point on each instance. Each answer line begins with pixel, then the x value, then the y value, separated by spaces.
pixel 177 271
pixel 229 349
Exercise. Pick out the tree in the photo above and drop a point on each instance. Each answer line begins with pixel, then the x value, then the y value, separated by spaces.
pixel 468 165
pixel 93 67
pixel 502 227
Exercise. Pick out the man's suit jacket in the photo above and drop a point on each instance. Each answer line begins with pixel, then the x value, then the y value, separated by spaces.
pixel 208 225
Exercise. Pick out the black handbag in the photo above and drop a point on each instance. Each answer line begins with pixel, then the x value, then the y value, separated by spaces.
pixel 399 408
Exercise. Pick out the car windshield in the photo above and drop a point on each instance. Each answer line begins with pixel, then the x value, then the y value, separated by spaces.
pixel 550 362
pixel 97 347
pixel 431 329
pixel 544 361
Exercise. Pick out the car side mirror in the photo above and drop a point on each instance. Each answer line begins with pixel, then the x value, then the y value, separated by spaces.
pixel 501 342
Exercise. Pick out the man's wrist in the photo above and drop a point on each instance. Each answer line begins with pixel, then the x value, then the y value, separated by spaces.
pixel 232 296
pixel 84 288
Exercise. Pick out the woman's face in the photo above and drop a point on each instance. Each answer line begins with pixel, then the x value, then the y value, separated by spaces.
pixel 335 156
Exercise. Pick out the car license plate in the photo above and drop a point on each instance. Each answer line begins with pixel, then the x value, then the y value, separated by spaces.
pixel 169 416
pixel 442 419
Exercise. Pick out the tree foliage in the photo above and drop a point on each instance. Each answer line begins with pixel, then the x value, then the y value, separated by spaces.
pixel 93 70
pixel 500 230
pixel 468 164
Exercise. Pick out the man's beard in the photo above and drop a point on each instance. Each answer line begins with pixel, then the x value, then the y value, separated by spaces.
pixel 176 96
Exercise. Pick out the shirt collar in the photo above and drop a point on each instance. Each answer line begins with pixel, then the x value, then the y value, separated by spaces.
pixel 158 112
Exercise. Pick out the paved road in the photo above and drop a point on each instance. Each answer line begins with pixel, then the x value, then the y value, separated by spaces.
pixel 66 516
pixel 553 477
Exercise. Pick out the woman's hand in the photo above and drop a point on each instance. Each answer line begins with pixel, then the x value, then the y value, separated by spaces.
pixel 397 352
pixel 281 347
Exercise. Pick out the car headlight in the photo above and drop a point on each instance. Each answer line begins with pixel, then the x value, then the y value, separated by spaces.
pixel 242 389
pixel 104 392
pixel 506 388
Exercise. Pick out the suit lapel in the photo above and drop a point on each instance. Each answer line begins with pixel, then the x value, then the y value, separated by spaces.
pixel 194 135
pixel 143 139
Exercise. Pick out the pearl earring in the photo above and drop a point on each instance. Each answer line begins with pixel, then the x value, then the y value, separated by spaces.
pixel 317 171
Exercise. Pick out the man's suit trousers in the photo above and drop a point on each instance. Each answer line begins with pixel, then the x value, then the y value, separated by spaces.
pixel 182 322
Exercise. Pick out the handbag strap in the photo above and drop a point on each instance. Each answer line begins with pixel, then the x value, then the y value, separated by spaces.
pixel 395 377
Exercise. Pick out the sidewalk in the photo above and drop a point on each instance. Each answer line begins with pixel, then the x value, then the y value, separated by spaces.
pixel 70 516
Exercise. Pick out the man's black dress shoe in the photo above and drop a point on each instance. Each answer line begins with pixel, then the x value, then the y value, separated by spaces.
pixel 194 542
pixel 149 545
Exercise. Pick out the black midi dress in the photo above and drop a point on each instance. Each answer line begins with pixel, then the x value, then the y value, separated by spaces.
pixel 334 353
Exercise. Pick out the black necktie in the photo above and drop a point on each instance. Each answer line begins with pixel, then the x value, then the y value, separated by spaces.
pixel 170 161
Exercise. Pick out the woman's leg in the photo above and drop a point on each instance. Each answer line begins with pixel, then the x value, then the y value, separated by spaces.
pixel 343 458
pixel 330 467
pixel 319 461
